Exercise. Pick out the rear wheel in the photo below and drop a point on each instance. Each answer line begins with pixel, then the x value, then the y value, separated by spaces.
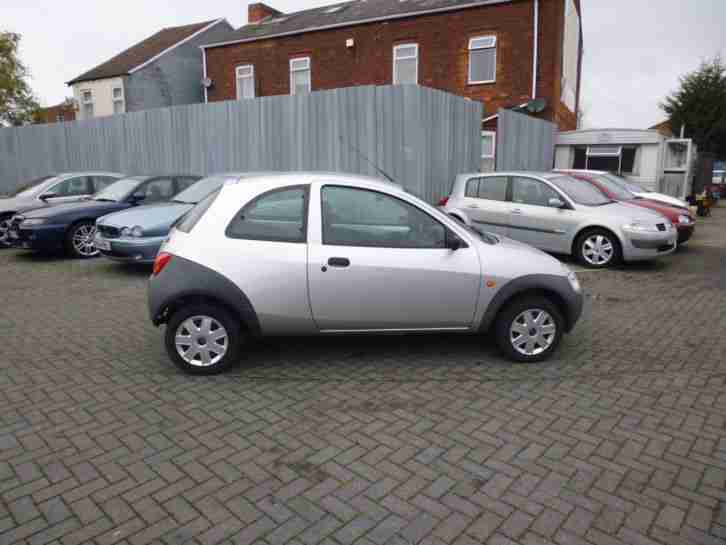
pixel 203 339
pixel 597 249
pixel 529 329
pixel 79 240
pixel 4 227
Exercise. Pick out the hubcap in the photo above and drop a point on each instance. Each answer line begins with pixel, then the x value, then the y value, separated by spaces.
pixel 597 250
pixel 83 240
pixel 201 341
pixel 532 332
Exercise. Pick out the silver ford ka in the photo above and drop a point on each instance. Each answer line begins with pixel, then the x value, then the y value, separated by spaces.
pixel 559 214
pixel 326 253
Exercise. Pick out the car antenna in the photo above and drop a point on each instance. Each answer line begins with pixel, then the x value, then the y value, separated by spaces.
pixel 367 160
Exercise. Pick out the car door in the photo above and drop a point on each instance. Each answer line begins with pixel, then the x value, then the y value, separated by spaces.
pixel 378 262
pixel 534 220
pixel 485 202
pixel 72 189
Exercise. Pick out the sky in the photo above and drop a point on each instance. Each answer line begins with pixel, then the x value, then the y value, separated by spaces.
pixel 635 50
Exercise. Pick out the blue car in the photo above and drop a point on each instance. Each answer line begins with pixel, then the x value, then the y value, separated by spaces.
pixel 135 235
pixel 72 227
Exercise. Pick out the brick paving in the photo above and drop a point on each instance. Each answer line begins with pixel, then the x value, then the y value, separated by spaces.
pixel 621 439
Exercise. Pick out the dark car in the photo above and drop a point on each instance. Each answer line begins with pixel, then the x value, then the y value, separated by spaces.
pixel 49 190
pixel 71 227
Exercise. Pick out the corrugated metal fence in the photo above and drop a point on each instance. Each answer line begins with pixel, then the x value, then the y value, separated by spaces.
pixel 420 136
pixel 524 142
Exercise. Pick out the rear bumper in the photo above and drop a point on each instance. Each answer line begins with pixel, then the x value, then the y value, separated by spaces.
pixel 141 250
pixel 40 237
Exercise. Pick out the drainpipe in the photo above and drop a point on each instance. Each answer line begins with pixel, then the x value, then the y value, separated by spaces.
pixel 536 49
pixel 204 72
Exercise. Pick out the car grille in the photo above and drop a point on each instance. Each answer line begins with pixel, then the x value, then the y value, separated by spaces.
pixel 108 231
pixel 661 226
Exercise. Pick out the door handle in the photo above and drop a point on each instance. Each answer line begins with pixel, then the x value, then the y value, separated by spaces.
pixel 517 211
pixel 473 206
pixel 339 262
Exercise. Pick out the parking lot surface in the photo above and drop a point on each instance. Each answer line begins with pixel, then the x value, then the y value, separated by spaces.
pixel 620 439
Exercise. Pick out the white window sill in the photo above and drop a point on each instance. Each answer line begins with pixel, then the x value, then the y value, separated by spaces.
pixel 481 82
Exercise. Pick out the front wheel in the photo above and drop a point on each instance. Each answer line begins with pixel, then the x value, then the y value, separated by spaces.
pixel 529 329
pixel 203 339
pixel 80 240
pixel 597 249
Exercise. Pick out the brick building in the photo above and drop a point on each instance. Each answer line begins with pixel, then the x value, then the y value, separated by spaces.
pixel 484 50
pixel 65 111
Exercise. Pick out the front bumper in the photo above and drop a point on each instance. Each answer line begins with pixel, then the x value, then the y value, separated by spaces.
pixel 129 250
pixel 685 233
pixel 38 237
pixel 645 246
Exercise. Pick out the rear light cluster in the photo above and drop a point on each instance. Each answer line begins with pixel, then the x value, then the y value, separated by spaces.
pixel 443 201
pixel 161 261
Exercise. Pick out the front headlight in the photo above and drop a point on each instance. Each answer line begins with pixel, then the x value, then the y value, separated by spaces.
pixel 636 227
pixel 574 282
pixel 684 220
pixel 32 221
pixel 137 231
pixel 125 231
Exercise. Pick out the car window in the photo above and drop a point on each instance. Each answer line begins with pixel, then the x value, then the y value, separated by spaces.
pixel 585 194
pixel 101 182
pixel 531 191
pixel 278 215
pixel 185 181
pixel 159 189
pixel 493 188
pixel 72 187
pixel 361 217
pixel 187 222
pixel 618 192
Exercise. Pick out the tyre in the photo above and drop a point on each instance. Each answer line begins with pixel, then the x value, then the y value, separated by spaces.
pixel 203 339
pixel 4 226
pixel 79 240
pixel 597 249
pixel 529 328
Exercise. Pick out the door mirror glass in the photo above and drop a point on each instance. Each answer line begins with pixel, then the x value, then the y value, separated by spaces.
pixel 48 195
pixel 554 202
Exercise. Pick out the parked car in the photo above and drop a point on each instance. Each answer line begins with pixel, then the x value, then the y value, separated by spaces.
pixel 71 227
pixel 637 190
pixel 135 235
pixel 683 220
pixel 560 214
pixel 323 253
pixel 49 190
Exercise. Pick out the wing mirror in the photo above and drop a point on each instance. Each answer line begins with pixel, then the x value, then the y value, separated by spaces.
pixel 453 242
pixel 48 195
pixel 554 202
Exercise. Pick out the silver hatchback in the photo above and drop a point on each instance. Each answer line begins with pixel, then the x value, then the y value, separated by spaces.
pixel 560 214
pixel 328 253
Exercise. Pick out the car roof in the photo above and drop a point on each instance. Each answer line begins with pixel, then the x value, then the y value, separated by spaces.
pixel 307 177
pixel 85 173
pixel 537 173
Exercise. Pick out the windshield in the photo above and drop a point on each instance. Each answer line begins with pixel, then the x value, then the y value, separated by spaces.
pixel 197 191
pixel 618 191
pixel 30 188
pixel 581 193
pixel 117 191
pixel 625 184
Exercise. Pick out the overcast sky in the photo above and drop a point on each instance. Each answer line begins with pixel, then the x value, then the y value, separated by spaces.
pixel 634 49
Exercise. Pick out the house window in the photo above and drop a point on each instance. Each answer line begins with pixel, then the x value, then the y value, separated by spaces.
pixel 245 76
pixel 59 118
pixel 483 59
pixel 488 144
pixel 300 76
pixel 87 103
pixel 405 63
pixel 118 100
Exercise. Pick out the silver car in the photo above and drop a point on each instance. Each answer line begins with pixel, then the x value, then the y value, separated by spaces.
pixel 327 253
pixel 559 214
pixel 49 190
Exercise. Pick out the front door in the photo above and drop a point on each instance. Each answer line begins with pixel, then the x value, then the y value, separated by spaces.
pixel 379 262
pixel 534 220
pixel 485 202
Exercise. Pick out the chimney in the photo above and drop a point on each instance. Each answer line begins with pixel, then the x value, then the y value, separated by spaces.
pixel 258 11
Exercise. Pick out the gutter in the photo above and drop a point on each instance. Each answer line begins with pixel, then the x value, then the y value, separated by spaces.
pixel 358 22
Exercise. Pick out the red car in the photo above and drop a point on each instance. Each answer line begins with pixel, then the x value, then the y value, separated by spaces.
pixel 684 221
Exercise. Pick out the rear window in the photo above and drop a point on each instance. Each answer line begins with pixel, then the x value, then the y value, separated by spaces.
pixel 191 218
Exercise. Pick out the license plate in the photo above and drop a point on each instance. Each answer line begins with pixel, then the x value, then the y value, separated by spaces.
pixel 102 244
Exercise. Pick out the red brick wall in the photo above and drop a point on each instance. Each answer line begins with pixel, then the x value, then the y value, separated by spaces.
pixel 50 114
pixel 443 56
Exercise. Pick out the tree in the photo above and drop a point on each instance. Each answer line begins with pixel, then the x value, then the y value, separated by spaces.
pixel 17 103
pixel 699 105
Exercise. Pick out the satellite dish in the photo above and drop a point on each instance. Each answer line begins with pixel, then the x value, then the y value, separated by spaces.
pixel 536 105
pixel 206 83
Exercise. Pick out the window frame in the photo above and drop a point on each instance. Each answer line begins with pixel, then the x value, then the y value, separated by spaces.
pixel 121 100
pixel 305 212
pixel 237 79
pixel 494 39
pixel 395 71
pixel 493 134
pixel 447 231
pixel 309 70
pixel 88 102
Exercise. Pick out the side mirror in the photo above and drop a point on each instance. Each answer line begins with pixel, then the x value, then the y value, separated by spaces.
pixel 48 195
pixel 556 203
pixel 136 198
pixel 453 242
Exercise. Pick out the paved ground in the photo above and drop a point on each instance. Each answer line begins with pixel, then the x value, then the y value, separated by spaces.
pixel 621 439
